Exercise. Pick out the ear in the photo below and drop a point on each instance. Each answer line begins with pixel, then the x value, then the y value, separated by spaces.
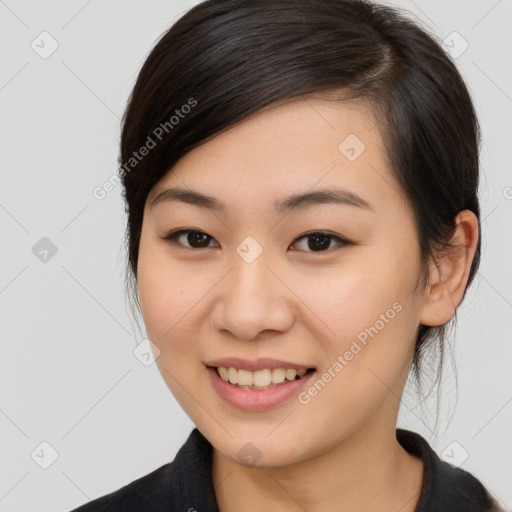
pixel 449 272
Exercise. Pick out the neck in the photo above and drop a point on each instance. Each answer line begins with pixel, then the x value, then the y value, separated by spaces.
pixel 367 470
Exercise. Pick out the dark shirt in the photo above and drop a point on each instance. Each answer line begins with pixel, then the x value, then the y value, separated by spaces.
pixel 185 484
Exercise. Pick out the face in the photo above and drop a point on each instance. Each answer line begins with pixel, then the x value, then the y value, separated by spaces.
pixel 325 283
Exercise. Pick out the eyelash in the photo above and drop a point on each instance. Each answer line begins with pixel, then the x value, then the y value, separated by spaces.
pixel 173 236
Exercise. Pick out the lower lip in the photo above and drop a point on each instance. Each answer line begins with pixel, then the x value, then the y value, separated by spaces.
pixel 256 399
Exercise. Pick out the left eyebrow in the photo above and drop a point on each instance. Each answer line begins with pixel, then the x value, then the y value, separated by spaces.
pixel 325 196
pixel 294 202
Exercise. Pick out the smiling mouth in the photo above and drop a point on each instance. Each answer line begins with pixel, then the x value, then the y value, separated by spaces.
pixel 261 379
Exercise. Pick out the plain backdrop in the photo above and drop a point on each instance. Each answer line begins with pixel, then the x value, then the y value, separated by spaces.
pixel 73 396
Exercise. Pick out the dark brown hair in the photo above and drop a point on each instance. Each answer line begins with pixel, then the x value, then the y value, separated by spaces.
pixel 233 58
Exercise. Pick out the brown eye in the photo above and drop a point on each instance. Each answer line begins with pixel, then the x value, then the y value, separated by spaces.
pixel 320 241
pixel 195 239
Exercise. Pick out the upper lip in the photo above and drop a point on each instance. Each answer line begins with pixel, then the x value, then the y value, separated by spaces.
pixel 254 365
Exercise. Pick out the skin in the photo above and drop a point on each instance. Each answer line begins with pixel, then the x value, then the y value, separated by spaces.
pixel 339 451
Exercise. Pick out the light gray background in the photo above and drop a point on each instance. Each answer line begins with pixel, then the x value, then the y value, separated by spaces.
pixel 68 373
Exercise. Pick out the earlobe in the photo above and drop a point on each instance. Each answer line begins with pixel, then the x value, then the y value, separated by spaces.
pixel 449 272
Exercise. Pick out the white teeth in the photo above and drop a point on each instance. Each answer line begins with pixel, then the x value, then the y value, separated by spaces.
pixel 223 372
pixel 260 379
pixel 291 374
pixel 278 375
pixel 245 377
pixel 233 376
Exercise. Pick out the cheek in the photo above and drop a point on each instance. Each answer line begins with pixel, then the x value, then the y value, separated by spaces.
pixel 367 312
pixel 368 324
pixel 170 302
pixel 167 296
pixel 348 297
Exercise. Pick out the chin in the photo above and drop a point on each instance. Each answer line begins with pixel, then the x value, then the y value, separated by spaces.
pixel 254 447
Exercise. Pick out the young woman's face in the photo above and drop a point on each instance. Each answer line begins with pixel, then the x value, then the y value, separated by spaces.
pixel 326 282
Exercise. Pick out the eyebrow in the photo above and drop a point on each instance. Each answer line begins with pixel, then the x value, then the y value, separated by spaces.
pixel 294 202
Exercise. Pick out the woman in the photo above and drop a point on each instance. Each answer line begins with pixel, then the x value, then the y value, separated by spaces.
pixel 301 187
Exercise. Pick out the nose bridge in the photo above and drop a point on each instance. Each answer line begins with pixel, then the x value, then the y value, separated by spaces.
pixel 250 280
pixel 252 299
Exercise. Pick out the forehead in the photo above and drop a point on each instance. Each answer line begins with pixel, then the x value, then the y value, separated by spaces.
pixel 301 145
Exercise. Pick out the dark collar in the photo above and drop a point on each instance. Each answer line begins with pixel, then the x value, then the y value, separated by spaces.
pixel 186 483
pixel 445 487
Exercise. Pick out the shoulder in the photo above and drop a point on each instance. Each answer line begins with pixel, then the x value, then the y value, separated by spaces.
pixel 137 495
pixel 183 484
pixel 445 487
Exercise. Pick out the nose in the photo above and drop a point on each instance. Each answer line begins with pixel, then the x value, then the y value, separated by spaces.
pixel 253 299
